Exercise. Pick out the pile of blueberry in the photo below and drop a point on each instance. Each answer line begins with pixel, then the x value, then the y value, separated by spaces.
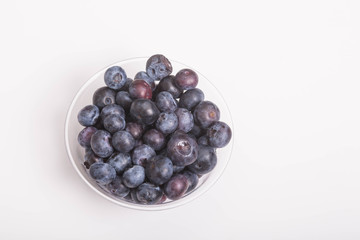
pixel 146 142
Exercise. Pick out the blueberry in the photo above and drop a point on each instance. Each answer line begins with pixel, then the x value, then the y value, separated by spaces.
pixel 140 89
pixel 133 196
pixel 182 149
pixel 135 129
pixel 155 139
pixel 102 173
pixel 167 84
pixel 134 176
pixel 158 67
pixel 186 79
pixel 89 115
pixel 178 169
pixel 191 98
pixel 115 77
pixel 114 123
pixel 90 158
pixel 141 154
pixel 144 76
pixel 103 97
pixel 138 142
pixel 206 113
pixel 205 162
pixel 167 122
pixel 101 143
pixel 144 111
pixel 148 193
pixel 165 102
pixel 162 199
pixel 219 134
pixel 124 100
pixel 120 161
pixel 159 169
pixel 126 85
pixel 186 119
pixel 112 109
pixel 123 141
pixel 85 135
pixel 193 180
pixel 176 187
pixel 203 140
pixel 197 131
pixel 117 188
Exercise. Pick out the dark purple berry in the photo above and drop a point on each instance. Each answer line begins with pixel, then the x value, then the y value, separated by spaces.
pixel 159 169
pixel 123 141
pixel 158 67
pixel 178 169
pixel 203 140
pixel 167 84
pixel 117 188
pixel 193 180
pixel 205 162
pixel 219 134
pixel 103 97
pixel 176 187
pixel 144 111
pixel 142 154
pixel 101 143
pixel 126 85
pixel 85 135
pixel 135 129
pixel 90 158
pixel 124 100
pixel 182 149
pixel 102 173
pixel 191 98
pixel 89 115
pixel 114 123
pixel 148 193
pixel 144 76
pixel 186 79
pixel 206 113
pixel 115 77
pixel 140 89
pixel 155 139
pixel 185 119
pixel 165 102
pixel 197 131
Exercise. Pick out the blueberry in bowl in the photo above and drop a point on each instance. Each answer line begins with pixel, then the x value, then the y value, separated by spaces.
pixel 152 143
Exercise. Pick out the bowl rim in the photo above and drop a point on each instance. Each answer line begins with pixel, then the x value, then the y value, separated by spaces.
pixel 157 207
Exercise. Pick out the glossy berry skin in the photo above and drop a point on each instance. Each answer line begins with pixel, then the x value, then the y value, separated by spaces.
pixel 114 123
pixel 135 129
pixel 144 76
pixel 102 173
pixel 103 97
pixel 178 169
pixel 155 139
pixel 205 162
pixel 167 122
pixel 182 149
pixel 101 143
pixel 140 89
pixel 158 67
pixel 203 140
pixel 167 84
pixel 185 119
pixel 117 188
pixel 134 176
pixel 142 154
pixel 112 109
pixel 126 85
pixel 191 98
pixel 123 141
pixel 159 169
pixel 90 158
pixel 124 100
pixel 186 79
pixel 192 178
pixel 206 113
pixel 89 115
pixel 176 187
pixel 148 193
pixel 120 161
pixel 219 134
pixel 144 111
pixel 115 77
pixel 84 137
pixel 165 102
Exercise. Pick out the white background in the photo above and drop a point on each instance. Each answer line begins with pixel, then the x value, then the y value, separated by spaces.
pixel 289 71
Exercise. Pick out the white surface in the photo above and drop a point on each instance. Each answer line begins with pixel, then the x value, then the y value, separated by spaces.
pixel 289 71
